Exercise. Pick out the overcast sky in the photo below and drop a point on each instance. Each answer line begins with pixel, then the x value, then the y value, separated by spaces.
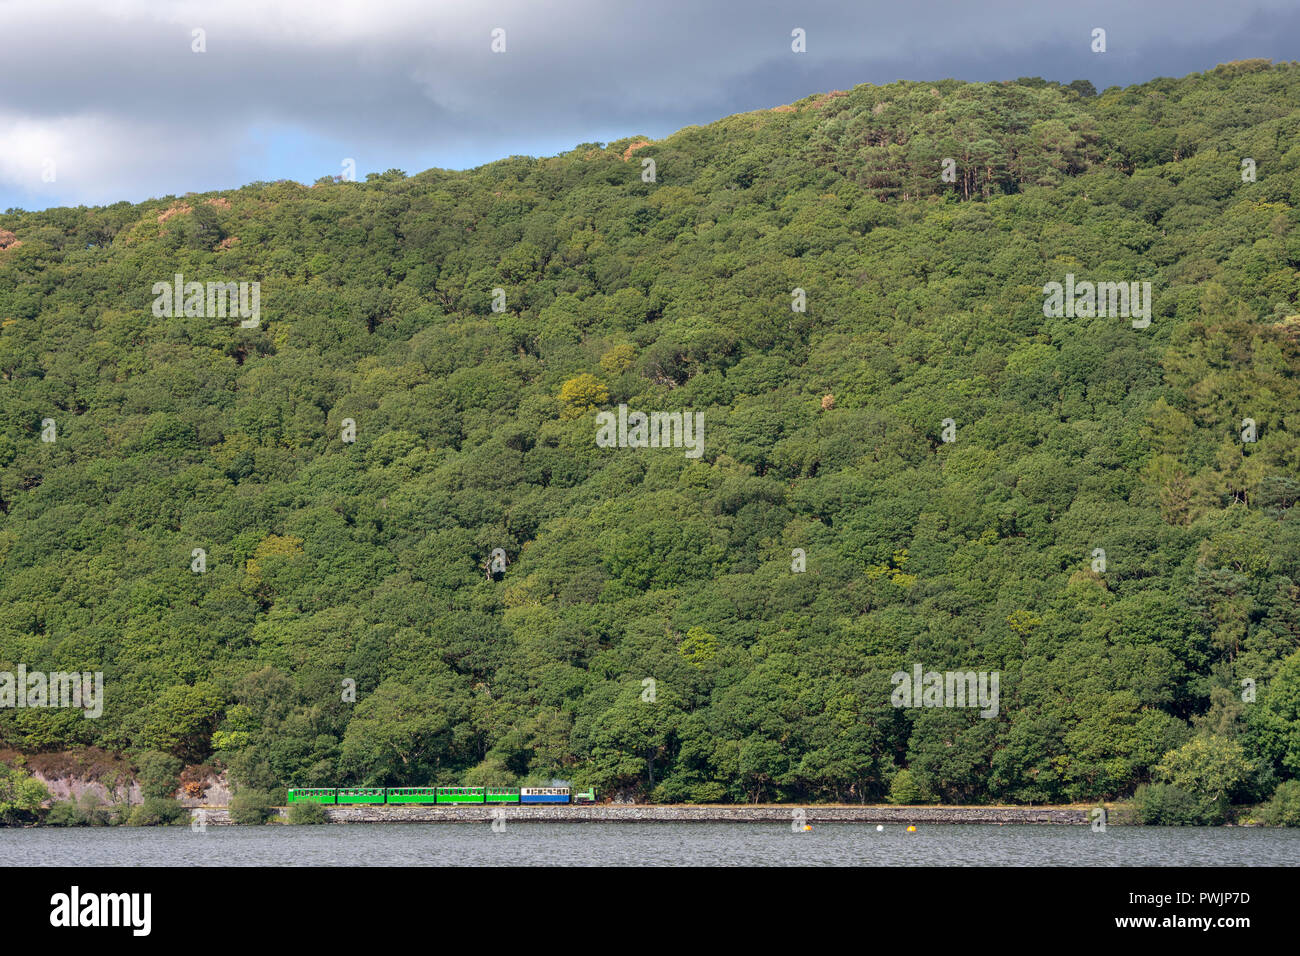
pixel 109 100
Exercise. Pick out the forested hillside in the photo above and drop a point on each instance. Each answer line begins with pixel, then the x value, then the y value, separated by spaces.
pixel 652 632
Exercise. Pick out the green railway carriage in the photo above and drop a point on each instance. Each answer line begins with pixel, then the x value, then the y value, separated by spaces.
pixel 462 795
pixel 361 795
pixel 412 795
pixel 312 795
pixel 436 795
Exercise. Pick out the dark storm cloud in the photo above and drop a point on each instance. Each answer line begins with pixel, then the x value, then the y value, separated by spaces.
pixel 115 95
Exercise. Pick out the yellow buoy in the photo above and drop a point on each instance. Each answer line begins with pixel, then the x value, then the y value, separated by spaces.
pixel 911 829
pixel 806 827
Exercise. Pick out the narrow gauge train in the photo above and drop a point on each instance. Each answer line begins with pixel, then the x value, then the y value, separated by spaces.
pixel 406 795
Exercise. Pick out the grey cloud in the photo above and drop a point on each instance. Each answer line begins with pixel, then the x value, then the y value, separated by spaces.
pixel 421 88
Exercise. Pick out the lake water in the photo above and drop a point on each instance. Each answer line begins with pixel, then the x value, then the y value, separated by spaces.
pixel 650 844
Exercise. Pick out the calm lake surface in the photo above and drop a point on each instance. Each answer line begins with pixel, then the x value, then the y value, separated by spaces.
pixel 649 844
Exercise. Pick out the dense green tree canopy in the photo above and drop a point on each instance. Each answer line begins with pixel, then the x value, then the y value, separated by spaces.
pixel 277 539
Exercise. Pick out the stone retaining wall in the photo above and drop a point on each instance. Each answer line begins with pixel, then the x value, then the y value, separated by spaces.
pixel 632 813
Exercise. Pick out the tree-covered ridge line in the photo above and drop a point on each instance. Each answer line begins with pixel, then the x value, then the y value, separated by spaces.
pixel 328 561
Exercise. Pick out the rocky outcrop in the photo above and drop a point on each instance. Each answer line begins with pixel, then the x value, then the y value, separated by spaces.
pixel 201 786
pixel 633 147
pixel 69 774
pixel 71 788
pixel 179 209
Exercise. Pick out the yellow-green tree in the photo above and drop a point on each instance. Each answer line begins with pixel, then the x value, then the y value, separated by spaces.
pixel 582 394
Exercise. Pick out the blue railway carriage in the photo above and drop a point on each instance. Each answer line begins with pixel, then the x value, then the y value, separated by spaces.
pixel 544 795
